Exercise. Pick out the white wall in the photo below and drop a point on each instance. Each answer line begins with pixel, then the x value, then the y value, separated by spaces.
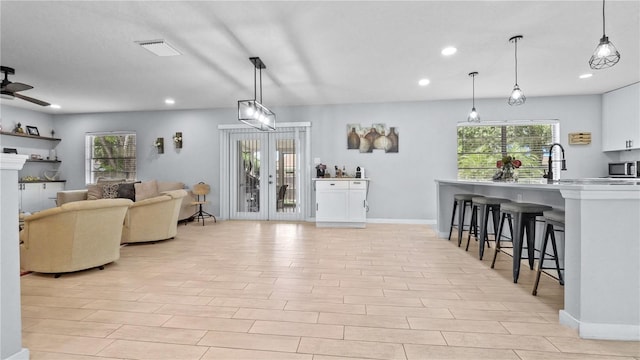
pixel 402 186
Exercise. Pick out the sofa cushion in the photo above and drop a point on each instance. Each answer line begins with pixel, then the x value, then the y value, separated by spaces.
pixel 127 191
pixel 169 185
pixel 110 190
pixel 146 189
pixel 94 192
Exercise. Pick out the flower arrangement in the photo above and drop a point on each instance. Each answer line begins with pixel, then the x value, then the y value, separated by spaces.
pixel 506 168
pixel 507 162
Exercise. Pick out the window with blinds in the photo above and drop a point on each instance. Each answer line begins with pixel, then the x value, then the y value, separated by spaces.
pixel 110 155
pixel 481 146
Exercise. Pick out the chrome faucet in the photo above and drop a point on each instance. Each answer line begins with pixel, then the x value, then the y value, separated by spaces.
pixel 549 174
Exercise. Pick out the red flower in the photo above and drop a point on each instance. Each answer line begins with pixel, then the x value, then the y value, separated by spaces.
pixel 516 163
pixel 499 164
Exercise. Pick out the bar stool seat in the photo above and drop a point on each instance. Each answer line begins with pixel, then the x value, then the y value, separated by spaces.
pixel 554 221
pixel 524 217
pixel 460 202
pixel 484 205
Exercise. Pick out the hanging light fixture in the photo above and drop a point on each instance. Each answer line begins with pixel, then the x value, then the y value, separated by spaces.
pixel 252 112
pixel 517 96
pixel 473 115
pixel 605 55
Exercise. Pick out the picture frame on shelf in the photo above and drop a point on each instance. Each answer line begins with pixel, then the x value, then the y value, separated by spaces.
pixel 32 130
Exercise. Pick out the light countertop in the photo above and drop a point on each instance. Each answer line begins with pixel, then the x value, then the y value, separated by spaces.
pixel 563 184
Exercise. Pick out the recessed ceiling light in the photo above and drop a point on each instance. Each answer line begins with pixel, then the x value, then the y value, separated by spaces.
pixel 55 106
pixel 585 76
pixel 424 82
pixel 169 101
pixel 448 51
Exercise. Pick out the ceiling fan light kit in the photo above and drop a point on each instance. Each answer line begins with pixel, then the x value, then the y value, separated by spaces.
pixel 252 112
pixel 517 96
pixel 605 55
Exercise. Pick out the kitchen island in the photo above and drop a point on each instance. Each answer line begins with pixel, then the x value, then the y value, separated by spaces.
pixel 602 246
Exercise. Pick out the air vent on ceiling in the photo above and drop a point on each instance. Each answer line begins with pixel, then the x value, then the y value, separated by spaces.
pixel 159 47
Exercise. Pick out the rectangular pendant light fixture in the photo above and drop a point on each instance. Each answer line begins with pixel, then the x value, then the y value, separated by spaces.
pixel 252 112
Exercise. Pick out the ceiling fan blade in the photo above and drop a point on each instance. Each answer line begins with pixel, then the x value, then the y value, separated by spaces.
pixel 16 86
pixel 35 101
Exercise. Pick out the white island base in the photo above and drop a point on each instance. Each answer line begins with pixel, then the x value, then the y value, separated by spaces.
pixel 602 247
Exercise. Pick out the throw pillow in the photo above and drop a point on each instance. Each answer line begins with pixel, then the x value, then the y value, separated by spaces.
pixel 110 191
pixel 146 189
pixel 127 191
pixel 94 192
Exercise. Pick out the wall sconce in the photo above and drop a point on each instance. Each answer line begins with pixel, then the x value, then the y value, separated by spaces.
pixel 159 144
pixel 177 140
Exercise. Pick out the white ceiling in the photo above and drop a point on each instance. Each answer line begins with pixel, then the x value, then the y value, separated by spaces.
pixel 83 56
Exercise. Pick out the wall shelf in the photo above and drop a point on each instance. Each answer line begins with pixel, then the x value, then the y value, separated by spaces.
pixel 29 136
pixel 43 161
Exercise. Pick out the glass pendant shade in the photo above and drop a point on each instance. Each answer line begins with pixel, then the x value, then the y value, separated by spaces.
pixel 605 55
pixel 517 96
pixel 252 113
pixel 473 115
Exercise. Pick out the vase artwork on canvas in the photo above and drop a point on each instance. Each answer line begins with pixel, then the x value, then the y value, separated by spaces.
pixel 368 139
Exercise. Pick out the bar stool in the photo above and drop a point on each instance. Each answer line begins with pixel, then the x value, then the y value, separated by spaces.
pixel 460 202
pixel 524 218
pixel 485 205
pixel 554 221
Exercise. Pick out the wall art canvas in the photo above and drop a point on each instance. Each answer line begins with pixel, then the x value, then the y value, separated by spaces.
pixel 376 137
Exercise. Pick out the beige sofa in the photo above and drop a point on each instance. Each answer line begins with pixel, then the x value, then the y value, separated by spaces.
pixel 186 208
pixel 154 218
pixel 74 236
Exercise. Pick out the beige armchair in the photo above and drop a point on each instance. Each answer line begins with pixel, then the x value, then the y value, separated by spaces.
pixel 153 219
pixel 75 236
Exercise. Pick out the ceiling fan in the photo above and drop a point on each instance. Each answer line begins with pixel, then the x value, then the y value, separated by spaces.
pixel 9 89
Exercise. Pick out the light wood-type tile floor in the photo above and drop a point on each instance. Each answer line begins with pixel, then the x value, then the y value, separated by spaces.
pixel 272 290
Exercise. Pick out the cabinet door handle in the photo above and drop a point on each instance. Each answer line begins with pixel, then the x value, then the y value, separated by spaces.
pixel 630 143
pixel 44 185
pixel 316 206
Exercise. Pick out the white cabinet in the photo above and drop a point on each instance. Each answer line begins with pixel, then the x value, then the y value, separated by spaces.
pixel 341 202
pixel 621 119
pixel 37 196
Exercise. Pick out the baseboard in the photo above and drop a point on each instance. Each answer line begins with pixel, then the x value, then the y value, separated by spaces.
pixel 23 354
pixel 624 332
pixel 402 221
pixel 393 221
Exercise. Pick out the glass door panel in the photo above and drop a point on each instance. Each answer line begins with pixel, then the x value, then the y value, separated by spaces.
pixel 265 176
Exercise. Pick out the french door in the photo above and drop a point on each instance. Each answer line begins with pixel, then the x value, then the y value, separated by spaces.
pixel 267 175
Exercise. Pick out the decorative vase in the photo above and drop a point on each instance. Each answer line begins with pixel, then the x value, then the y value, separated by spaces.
pixel 508 174
pixel 372 135
pixel 393 136
pixel 353 140
pixel 382 142
pixel 365 145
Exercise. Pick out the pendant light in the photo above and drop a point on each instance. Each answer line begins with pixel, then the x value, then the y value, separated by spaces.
pixel 517 96
pixel 473 115
pixel 605 55
pixel 252 112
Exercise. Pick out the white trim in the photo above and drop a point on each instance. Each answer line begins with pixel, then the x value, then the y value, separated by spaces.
pixel 511 122
pixel 625 332
pixel 402 221
pixel 23 354
pixel 279 125
pixel 392 221
pixel 12 161
pixel 618 192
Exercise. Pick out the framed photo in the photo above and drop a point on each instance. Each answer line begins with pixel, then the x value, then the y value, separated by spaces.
pixel 32 130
